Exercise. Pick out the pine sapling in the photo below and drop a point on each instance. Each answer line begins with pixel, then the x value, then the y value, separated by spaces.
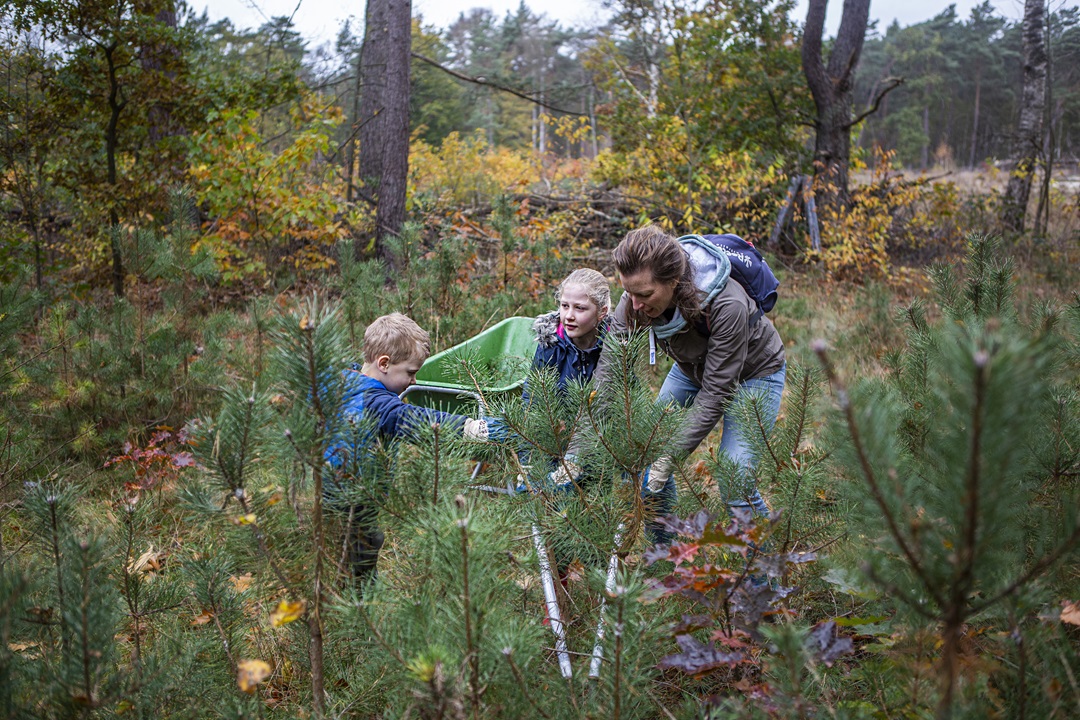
pixel 951 495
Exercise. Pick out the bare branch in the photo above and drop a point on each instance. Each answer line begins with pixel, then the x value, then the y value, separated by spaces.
pixel 893 83
pixel 496 86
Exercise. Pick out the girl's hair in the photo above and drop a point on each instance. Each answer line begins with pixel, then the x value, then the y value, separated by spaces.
pixel 596 287
pixel 651 248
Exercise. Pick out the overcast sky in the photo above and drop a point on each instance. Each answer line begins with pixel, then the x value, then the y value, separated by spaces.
pixel 318 20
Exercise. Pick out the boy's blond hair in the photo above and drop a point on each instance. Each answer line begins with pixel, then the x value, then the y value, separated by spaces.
pixel 397 336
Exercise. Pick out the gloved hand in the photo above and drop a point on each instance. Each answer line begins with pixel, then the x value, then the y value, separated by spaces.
pixel 659 473
pixel 565 473
pixel 485 429
pixel 475 430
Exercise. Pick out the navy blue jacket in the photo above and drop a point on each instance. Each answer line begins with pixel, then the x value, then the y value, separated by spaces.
pixel 555 350
pixel 368 400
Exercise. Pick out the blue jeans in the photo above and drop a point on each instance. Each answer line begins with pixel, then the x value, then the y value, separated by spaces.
pixel 681 390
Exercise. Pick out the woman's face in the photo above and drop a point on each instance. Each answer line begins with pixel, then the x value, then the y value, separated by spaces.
pixel 579 315
pixel 647 295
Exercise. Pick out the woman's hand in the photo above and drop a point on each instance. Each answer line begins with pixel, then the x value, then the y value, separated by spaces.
pixel 659 473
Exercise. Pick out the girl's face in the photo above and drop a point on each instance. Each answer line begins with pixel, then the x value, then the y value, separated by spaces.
pixel 647 295
pixel 579 316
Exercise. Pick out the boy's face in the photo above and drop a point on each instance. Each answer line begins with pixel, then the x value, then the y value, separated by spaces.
pixel 400 375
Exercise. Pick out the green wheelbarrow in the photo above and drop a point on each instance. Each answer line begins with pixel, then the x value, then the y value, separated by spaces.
pixel 501 356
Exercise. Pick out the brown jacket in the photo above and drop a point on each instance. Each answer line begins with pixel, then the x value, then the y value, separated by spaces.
pixel 730 352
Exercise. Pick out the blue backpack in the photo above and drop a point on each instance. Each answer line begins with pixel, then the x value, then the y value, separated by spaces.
pixel 750 270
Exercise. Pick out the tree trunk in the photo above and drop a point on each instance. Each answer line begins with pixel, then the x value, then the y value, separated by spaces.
pixel 354 128
pixel 160 57
pixel 116 105
pixel 394 126
pixel 926 137
pixel 373 79
pixel 831 88
pixel 1029 129
pixel 1042 210
pixel 975 123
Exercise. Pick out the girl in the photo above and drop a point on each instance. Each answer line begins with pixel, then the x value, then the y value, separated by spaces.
pixel 570 339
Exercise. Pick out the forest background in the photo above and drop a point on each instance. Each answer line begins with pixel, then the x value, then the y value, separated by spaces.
pixel 199 220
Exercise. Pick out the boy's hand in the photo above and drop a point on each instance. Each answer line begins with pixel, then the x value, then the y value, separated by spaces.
pixel 485 429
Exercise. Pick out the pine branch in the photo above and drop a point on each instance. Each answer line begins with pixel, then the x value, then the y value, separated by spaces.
pixel 508 654
pixel 315 621
pixel 759 420
pixel 868 473
pixel 1036 570
pixel 472 653
pixel 214 612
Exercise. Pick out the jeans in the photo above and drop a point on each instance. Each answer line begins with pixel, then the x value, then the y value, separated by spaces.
pixel 362 538
pixel 681 390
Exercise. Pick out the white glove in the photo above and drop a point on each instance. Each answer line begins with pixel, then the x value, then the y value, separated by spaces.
pixel 476 430
pixel 657 474
pixel 565 473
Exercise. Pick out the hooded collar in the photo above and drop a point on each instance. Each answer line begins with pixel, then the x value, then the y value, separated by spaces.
pixel 712 268
pixel 549 332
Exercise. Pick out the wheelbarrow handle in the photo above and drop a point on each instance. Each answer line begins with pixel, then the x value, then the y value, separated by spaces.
pixel 440 390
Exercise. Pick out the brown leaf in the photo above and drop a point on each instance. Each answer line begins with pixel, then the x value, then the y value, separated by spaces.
pixel 33 654
pixel 241 583
pixel 1070 613
pixel 699 659
pixel 202 618
pixel 149 561
pixel 575 572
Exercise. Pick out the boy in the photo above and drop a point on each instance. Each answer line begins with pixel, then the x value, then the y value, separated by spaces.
pixel 394 349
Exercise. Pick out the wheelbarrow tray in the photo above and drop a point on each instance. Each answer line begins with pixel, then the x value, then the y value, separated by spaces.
pixel 504 352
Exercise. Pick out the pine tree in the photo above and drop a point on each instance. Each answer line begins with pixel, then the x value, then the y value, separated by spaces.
pixel 956 461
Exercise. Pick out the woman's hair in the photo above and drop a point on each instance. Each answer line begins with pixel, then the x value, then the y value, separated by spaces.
pixel 651 248
pixel 596 287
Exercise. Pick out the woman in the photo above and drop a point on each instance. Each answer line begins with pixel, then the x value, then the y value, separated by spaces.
pixel 569 339
pixel 680 291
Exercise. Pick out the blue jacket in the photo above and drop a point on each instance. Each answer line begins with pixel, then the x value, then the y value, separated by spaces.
pixel 366 400
pixel 556 350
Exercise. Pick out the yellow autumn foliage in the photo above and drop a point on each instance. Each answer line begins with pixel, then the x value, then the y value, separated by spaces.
pixel 249 673
pixel 287 612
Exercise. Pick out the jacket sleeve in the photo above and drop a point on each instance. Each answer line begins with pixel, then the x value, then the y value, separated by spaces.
pixel 617 329
pixel 400 419
pixel 724 359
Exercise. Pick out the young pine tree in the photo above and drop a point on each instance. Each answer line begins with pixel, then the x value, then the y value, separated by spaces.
pixel 962 464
